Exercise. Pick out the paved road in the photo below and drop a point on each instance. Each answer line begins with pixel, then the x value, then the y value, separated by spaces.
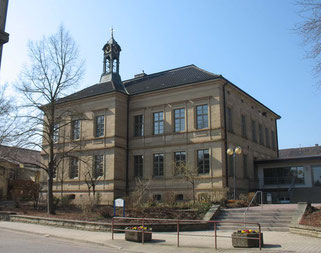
pixel 16 242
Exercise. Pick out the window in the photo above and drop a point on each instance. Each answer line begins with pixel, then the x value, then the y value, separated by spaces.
pixel 229 120
pixel 158 165
pixel 179 197
pixel 203 161
pixel 261 135
pixel 180 158
pixel 201 116
pixel 138 165
pixel 245 165
pixel 243 126
pixel 98 166
pixel 253 124
pixel 285 175
pixel 158 122
pixel 316 175
pixel 273 140
pixel 56 133
pixel 99 123
pixel 73 167
pixel 75 129
pixel 139 125
pixel 267 137
pixel 157 197
pixel 230 166
pixel 179 120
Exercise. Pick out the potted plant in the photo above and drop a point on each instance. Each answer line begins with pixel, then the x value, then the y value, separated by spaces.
pixel 246 238
pixel 135 234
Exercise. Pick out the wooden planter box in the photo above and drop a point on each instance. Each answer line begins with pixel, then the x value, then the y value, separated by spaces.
pixel 134 236
pixel 242 240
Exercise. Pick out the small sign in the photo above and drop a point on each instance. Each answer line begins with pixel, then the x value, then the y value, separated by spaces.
pixel 119 203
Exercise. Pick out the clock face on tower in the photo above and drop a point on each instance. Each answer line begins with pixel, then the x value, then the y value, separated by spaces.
pixel 107 49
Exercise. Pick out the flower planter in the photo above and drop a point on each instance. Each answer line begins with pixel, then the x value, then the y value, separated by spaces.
pixel 240 240
pixel 136 235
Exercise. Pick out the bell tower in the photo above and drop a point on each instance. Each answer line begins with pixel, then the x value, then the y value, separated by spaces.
pixel 111 58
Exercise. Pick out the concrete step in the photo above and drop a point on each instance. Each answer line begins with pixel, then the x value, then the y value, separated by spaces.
pixel 256 215
pixel 258 221
pixel 276 229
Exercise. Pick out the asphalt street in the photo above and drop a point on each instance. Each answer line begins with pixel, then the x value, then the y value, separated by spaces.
pixel 17 242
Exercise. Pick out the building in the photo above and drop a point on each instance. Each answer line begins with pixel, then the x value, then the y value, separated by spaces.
pixel 16 164
pixel 141 127
pixel 4 37
pixel 293 177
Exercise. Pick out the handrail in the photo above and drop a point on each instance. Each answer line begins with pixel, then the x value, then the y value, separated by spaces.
pixel 144 221
pixel 244 214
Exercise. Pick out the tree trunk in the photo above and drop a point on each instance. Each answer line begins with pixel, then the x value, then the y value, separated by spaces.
pixel 51 208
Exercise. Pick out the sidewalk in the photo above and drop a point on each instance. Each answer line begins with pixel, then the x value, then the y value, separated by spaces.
pixel 166 242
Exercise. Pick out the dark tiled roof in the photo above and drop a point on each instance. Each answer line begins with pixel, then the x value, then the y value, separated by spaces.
pixel 19 155
pixel 300 152
pixel 168 79
pixel 157 81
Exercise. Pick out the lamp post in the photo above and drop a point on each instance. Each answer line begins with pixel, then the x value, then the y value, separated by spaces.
pixel 233 152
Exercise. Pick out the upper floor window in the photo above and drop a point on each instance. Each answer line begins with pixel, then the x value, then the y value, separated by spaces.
pixel 158 165
pixel 179 120
pixel 56 133
pixel 201 116
pixel 229 119
pixel 267 137
pixel 261 134
pixel 253 131
pixel 73 167
pixel 203 161
pixel 98 166
pixel 139 125
pixel 138 165
pixel 243 126
pixel 75 129
pixel 273 140
pixel 99 125
pixel 158 122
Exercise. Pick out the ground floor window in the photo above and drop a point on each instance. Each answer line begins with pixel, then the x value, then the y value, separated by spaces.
pixel 158 165
pixel 285 175
pixel 316 175
pixel 203 161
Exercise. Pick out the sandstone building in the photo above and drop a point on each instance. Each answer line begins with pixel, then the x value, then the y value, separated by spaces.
pixel 141 127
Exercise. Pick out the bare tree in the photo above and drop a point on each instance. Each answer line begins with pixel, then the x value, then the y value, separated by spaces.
pixel 8 118
pixel 54 68
pixel 141 190
pixel 92 178
pixel 189 174
pixel 310 30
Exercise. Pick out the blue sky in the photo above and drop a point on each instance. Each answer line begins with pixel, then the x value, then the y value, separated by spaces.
pixel 251 43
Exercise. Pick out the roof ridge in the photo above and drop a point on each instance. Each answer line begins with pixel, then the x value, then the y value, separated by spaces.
pixel 157 73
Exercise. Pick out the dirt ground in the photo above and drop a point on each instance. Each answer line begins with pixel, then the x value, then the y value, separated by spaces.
pixel 312 217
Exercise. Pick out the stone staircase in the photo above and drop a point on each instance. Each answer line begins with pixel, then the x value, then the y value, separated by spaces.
pixel 271 218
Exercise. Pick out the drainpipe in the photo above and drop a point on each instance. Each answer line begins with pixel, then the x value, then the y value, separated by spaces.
pixel 127 147
pixel 277 139
pixel 225 135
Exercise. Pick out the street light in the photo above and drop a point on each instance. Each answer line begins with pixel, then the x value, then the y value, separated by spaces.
pixel 234 152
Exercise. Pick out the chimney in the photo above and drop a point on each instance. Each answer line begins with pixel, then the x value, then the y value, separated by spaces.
pixel 140 75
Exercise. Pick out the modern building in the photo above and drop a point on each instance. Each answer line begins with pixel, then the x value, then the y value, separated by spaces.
pixel 293 177
pixel 4 37
pixel 143 126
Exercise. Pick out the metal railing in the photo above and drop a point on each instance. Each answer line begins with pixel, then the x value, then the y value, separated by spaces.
pixel 244 214
pixel 178 223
